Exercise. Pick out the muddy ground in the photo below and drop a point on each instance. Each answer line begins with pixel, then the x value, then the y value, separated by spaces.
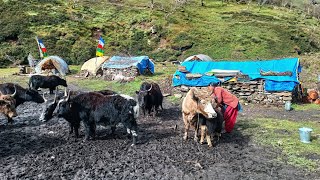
pixel 30 149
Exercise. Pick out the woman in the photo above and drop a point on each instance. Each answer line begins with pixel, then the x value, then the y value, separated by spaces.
pixel 229 101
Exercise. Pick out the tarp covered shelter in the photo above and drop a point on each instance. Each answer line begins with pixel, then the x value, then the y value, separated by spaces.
pixel 279 75
pixel 199 57
pixel 94 64
pixel 52 63
pixel 142 63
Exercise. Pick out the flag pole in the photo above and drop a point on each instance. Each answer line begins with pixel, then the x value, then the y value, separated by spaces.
pixel 96 56
pixel 40 52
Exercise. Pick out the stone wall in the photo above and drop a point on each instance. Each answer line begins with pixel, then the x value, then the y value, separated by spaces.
pixel 109 73
pixel 249 92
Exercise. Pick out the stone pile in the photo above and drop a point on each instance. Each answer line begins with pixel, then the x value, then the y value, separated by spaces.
pixel 109 73
pixel 249 92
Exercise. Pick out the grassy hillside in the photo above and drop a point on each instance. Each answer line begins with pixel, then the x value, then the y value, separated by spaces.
pixel 167 32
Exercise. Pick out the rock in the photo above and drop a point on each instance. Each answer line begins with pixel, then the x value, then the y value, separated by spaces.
pixel 184 88
pixel 178 95
pixel 287 98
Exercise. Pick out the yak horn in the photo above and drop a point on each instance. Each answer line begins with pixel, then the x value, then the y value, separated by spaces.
pixel 55 97
pixel 45 100
pixel 15 91
pixel 68 97
pixel 65 92
pixel 150 88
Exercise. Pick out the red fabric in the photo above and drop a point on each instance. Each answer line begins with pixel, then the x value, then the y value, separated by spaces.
pixel 230 117
pixel 225 97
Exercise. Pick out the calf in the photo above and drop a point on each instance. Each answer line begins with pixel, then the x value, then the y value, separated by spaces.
pixel 150 98
pixel 210 127
pixel 197 104
pixel 9 97
pixel 51 82
pixel 94 108
pixel 21 94
pixel 8 109
pixel 7 105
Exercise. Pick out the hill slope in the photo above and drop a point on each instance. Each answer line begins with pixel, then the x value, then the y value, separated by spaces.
pixel 169 31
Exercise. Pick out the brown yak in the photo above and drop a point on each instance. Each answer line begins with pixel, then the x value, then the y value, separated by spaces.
pixel 198 110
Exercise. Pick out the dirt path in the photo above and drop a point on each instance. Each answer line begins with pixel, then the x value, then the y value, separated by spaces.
pixel 30 149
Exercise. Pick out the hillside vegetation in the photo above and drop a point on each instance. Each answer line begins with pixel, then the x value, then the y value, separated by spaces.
pixel 168 31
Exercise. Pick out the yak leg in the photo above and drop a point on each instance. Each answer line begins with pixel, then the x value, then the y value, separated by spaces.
pixel 196 135
pixel 209 139
pixel 144 111
pixel 186 129
pixel 76 130
pixel 87 131
pixel 10 120
pixel 154 111
pixel 51 90
pixel 203 133
pixel 186 126
pixel 218 135
pixel 113 129
pixel 93 130
pixel 71 127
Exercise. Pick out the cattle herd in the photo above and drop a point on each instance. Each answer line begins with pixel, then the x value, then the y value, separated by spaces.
pixel 109 108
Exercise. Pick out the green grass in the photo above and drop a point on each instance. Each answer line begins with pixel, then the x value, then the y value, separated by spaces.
pixel 223 31
pixel 5 72
pixel 284 135
pixel 6 76
pixel 302 107
pixel 162 71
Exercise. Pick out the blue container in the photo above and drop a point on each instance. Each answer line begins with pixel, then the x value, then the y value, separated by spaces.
pixel 305 134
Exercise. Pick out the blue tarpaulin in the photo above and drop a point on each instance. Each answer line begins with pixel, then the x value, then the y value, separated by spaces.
pixel 250 68
pixel 141 62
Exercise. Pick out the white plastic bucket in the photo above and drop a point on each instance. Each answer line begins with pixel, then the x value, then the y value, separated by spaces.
pixel 305 134
pixel 287 105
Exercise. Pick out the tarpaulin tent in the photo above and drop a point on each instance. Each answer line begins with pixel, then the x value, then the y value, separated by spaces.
pixel 52 63
pixel 199 57
pixel 274 72
pixel 142 63
pixel 94 64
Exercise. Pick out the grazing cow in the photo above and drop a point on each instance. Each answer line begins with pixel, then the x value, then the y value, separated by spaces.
pixel 150 97
pixel 7 105
pixel 94 108
pixel 22 95
pixel 197 103
pixel 51 82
